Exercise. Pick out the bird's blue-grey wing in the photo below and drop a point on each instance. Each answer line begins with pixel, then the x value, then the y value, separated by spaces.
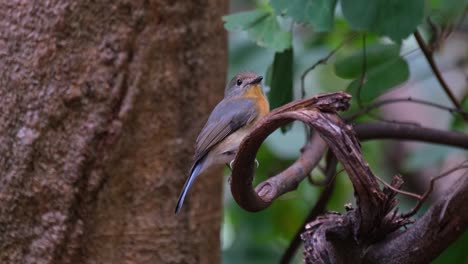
pixel 227 117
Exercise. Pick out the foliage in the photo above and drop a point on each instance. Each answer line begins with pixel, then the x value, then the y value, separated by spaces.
pixel 396 19
pixel 280 75
pixel 385 68
pixel 318 13
pixel 285 38
pixel 262 26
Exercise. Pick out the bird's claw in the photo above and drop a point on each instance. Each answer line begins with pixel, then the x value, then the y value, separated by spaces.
pixel 257 164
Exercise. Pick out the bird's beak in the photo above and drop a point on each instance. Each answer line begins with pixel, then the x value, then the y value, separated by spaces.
pixel 256 80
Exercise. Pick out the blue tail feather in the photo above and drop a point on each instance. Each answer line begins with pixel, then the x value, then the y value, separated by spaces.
pixel 195 172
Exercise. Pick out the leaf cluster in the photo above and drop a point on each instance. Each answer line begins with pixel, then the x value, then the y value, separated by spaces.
pixel 373 68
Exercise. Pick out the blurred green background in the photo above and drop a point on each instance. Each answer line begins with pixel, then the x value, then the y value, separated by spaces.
pixel 263 237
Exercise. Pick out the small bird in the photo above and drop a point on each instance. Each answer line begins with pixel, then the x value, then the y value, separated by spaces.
pixel 244 103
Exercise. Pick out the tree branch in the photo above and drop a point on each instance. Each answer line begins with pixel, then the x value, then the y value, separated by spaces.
pixel 441 225
pixel 323 60
pixel 422 198
pixel 383 102
pixel 430 59
pixel 288 180
pixel 243 168
pixel 319 113
pixel 383 130
pixel 332 237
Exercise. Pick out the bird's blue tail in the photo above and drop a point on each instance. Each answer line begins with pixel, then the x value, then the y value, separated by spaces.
pixel 195 172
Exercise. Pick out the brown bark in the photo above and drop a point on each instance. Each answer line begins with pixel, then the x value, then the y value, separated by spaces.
pixel 99 105
pixel 444 222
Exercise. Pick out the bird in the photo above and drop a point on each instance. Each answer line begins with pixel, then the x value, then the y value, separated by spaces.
pixel 243 105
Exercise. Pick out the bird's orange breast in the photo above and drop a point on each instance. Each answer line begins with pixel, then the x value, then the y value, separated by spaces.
pixel 261 102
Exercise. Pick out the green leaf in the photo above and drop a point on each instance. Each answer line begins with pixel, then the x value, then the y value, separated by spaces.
pixel 244 20
pixel 318 13
pixel 350 67
pixel 379 79
pixel 262 27
pixel 447 11
pixel 396 19
pixel 458 123
pixel 280 79
pixel 384 70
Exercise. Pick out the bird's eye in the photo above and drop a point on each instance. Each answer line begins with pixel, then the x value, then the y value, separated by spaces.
pixel 239 82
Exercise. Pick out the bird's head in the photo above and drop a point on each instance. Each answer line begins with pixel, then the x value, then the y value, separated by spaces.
pixel 242 83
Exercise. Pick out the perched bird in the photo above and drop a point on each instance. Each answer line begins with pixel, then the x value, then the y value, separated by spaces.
pixel 244 103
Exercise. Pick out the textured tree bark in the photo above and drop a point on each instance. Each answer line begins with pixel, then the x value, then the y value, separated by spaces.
pixel 100 102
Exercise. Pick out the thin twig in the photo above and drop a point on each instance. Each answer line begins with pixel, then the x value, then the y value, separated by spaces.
pixel 392 121
pixel 324 182
pixel 422 198
pixel 441 33
pixel 417 196
pixel 363 77
pixel 329 176
pixel 428 236
pixel 380 103
pixel 430 59
pixel 411 52
pixel 362 80
pixel 323 60
pixel 431 187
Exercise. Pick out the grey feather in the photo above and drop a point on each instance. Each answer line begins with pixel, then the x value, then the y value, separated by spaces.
pixel 227 117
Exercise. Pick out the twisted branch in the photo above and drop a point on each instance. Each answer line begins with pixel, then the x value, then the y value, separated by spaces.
pixel 374 216
pixel 243 167
pixel 320 113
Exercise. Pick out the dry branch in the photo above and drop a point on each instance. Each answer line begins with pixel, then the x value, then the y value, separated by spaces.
pixel 320 113
pixel 424 240
pixel 243 168
pixel 333 237
pixel 384 130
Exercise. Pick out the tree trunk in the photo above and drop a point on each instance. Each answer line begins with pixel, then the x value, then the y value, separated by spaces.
pixel 100 103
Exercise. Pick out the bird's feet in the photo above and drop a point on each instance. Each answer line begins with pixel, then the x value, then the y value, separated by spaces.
pixel 232 163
